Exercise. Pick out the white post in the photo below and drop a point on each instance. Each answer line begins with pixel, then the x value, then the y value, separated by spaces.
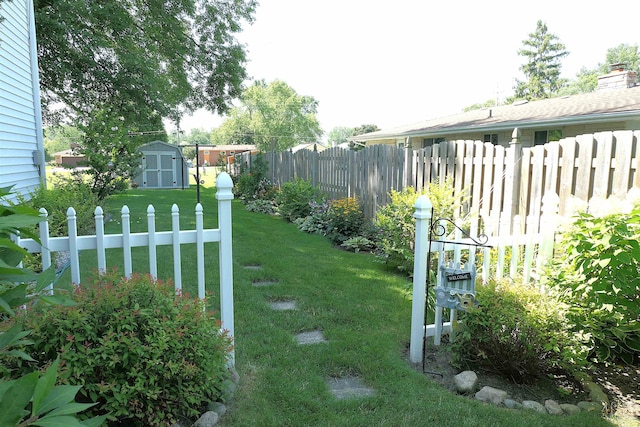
pixel 44 242
pixel 224 194
pixel 177 267
pixel 423 218
pixel 126 241
pixel 151 230
pixel 200 250
pixel 100 249
pixel 73 246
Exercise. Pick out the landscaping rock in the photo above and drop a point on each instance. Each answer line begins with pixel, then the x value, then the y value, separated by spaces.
pixel 466 382
pixel 590 406
pixel 553 407
pixel 512 404
pixel 218 408
pixel 568 408
pixel 208 419
pixel 491 395
pixel 536 406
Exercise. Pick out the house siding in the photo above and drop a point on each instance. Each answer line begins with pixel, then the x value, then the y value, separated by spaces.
pixel 20 114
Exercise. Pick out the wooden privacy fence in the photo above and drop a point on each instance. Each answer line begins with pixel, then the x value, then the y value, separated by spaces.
pixel 497 181
pixel 100 242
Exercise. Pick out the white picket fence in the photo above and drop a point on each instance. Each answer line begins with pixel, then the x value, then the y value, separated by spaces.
pixel 100 242
pixel 528 254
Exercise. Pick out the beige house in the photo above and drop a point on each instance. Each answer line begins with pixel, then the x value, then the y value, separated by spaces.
pixel 615 105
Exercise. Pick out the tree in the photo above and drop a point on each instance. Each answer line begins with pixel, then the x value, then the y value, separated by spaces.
pixel 587 79
pixel 365 129
pixel 198 136
pixel 339 135
pixel 60 138
pixel 543 51
pixel 160 55
pixel 273 117
pixel 625 54
pixel 111 139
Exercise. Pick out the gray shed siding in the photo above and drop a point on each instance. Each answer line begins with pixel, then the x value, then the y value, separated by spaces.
pixel 163 166
pixel 21 140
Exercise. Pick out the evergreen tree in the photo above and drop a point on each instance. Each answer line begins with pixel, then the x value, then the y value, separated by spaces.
pixel 543 52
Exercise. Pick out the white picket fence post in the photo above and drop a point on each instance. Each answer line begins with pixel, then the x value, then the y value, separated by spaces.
pixel 224 194
pixel 423 221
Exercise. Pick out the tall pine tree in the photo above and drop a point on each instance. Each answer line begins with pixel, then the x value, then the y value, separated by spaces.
pixel 543 52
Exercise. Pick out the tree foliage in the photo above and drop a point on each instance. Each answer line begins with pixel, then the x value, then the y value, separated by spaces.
pixel 272 116
pixel 543 52
pixel 339 135
pixel 156 54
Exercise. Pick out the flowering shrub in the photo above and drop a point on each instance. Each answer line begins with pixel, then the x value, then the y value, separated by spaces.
pixel 317 220
pixel 147 356
pixel 295 197
pixel 345 219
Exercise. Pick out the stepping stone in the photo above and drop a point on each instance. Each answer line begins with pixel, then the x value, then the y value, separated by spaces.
pixel 253 267
pixel 283 305
pixel 349 388
pixel 312 337
pixel 265 282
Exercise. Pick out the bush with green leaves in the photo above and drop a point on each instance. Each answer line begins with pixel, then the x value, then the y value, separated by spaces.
pixel 294 199
pixel 396 225
pixel 61 194
pixel 517 331
pixel 597 272
pixel 252 183
pixel 317 222
pixel 357 244
pixel 147 356
pixel 345 219
pixel 33 398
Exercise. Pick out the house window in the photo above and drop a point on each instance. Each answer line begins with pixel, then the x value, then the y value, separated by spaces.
pixel 543 136
pixel 491 137
pixel 222 153
pixel 206 152
pixel 428 142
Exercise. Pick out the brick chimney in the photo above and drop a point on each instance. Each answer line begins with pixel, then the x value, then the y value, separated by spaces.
pixel 618 78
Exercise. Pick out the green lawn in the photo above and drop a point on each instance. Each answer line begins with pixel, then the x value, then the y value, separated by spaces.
pixel 359 306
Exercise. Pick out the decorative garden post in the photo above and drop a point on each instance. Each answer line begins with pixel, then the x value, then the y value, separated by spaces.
pixel 423 221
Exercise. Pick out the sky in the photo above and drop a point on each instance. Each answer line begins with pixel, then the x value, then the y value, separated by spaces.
pixel 392 63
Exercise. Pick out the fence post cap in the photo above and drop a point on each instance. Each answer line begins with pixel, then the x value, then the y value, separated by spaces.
pixel 423 207
pixel 224 185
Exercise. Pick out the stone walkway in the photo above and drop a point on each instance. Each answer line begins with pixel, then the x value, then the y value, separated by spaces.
pixel 342 388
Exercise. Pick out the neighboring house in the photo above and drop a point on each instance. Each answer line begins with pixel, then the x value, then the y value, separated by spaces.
pixel 22 161
pixel 615 105
pixel 211 155
pixel 163 166
pixel 68 158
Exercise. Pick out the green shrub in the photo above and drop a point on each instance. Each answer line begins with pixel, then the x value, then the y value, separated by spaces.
pixel 597 273
pixel 264 206
pixel 345 219
pixel 147 356
pixel 294 199
pixel 61 194
pixel 253 184
pixel 517 332
pixel 317 221
pixel 33 398
pixel 396 224
pixel 357 244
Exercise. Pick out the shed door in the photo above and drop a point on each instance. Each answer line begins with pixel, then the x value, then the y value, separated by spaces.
pixel 159 170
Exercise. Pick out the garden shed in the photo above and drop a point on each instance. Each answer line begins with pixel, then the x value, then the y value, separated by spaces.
pixel 163 166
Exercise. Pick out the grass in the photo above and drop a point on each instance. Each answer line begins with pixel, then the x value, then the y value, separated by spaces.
pixel 361 308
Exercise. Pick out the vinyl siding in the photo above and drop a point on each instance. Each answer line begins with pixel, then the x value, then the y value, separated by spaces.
pixel 20 115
